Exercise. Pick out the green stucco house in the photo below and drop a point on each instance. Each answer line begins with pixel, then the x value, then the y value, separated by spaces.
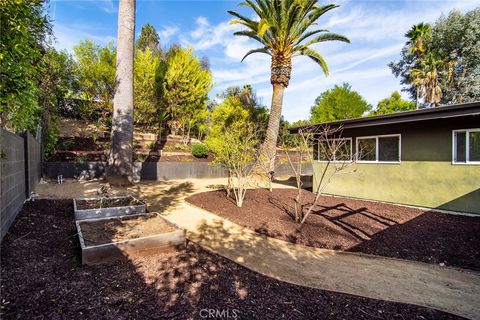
pixel 428 158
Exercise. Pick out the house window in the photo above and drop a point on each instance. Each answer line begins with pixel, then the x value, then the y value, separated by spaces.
pixel 466 146
pixel 379 148
pixel 338 150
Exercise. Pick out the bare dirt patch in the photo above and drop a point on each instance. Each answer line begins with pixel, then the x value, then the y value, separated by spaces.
pixel 355 225
pixel 120 229
pixel 42 278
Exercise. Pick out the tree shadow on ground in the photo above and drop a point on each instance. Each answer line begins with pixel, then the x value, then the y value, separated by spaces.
pixel 161 200
pixel 42 278
pixel 431 237
pixel 356 225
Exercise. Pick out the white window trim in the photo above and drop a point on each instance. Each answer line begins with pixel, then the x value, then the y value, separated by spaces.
pixel 377 149
pixel 467 147
pixel 335 161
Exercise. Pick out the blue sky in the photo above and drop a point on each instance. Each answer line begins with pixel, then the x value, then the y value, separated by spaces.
pixel 376 29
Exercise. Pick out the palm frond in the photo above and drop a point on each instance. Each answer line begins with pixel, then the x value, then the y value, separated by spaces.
pixel 249 34
pixel 253 6
pixel 284 28
pixel 309 34
pixel 327 37
pixel 316 57
pixel 263 26
pixel 243 20
pixel 265 50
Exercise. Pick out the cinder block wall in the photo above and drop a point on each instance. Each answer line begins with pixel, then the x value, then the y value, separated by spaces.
pixel 34 155
pixel 14 176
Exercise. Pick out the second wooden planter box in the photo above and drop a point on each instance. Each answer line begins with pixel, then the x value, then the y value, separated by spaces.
pixel 105 207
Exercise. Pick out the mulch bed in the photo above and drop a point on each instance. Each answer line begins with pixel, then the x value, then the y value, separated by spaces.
pixel 355 225
pixel 107 203
pixel 42 278
pixel 82 144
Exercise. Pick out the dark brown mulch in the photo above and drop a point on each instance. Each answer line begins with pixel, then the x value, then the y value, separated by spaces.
pixel 82 144
pixel 107 203
pixel 42 278
pixel 355 225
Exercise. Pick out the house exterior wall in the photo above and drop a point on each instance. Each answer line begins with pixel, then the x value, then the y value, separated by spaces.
pixel 425 176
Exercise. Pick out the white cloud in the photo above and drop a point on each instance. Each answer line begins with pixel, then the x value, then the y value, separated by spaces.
pixel 387 22
pixel 167 33
pixel 67 37
pixel 368 55
pixel 206 36
pixel 108 6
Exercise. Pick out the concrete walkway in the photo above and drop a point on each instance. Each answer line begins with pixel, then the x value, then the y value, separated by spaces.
pixel 451 290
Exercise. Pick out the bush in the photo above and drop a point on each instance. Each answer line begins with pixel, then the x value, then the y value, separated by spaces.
pixel 150 145
pixel 200 150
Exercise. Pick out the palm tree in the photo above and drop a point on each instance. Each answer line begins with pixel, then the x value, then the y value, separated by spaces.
pixel 419 35
pixel 425 79
pixel 284 29
pixel 120 162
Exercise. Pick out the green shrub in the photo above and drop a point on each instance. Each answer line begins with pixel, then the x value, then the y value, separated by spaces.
pixel 68 144
pixel 181 147
pixel 200 150
pixel 150 145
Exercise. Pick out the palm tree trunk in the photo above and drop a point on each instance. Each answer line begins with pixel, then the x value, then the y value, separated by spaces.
pixel 120 163
pixel 418 97
pixel 269 146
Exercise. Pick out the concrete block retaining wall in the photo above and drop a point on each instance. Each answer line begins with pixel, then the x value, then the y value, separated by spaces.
pixel 20 170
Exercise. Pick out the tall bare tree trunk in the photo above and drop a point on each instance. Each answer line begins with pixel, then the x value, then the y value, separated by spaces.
pixel 120 162
pixel 269 146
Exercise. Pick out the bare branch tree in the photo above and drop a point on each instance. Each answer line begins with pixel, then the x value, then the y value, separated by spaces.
pixel 333 153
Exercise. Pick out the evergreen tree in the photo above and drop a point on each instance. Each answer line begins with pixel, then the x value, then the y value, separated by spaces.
pixel 148 39
pixel 146 89
pixel 184 88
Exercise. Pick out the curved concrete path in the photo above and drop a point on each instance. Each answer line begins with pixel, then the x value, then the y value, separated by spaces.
pixel 451 290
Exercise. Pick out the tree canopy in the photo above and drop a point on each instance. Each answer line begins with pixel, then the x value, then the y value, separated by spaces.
pixel 247 97
pixel 338 103
pixel 146 86
pixel 392 104
pixel 95 70
pixel 56 82
pixel 441 63
pixel 24 29
pixel 185 85
pixel 148 39
pixel 283 29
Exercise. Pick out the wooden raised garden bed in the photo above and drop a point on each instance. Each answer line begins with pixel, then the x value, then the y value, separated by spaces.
pixel 105 207
pixel 125 237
